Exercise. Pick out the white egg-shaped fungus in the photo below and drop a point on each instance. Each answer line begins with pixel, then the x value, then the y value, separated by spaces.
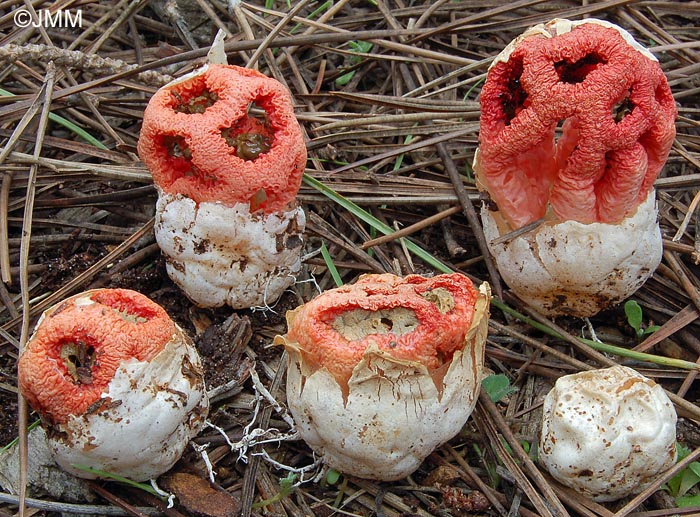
pixel 607 433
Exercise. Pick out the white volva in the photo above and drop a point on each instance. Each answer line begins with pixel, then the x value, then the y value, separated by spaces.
pixel 574 268
pixel 145 420
pixel 393 413
pixel 220 255
pixel 607 433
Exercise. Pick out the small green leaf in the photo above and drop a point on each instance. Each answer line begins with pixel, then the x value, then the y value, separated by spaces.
pixel 695 467
pixel 497 387
pixel 634 315
pixel 673 484
pixel 688 480
pixel 360 46
pixel 678 485
pixel 287 484
pixel 688 500
pixel 525 445
pixel 345 78
pixel 286 488
pixel 332 476
pixel 651 329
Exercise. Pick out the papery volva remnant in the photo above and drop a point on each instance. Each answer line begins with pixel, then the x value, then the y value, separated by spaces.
pixel 227 155
pixel 118 385
pixel 577 120
pixel 384 371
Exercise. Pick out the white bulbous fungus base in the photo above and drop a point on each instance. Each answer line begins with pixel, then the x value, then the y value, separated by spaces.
pixel 393 413
pixel 144 421
pixel 577 269
pixel 224 255
pixel 607 433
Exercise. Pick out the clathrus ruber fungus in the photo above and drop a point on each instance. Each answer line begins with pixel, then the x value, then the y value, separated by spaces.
pixel 117 384
pixel 227 155
pixel 577 120
pixel 384 371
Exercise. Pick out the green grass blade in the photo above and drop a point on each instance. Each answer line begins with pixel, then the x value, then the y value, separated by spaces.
pixel 368 218
pixel 79 131
pixel 469 92
pixel 13 442
pixel 116 477
pixel 314 14
pixel 399 159
pixel 330 265
pixel 70 126
pixel 597 345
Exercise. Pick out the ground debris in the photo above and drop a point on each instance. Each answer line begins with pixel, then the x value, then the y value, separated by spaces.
pixel 200 497
pixel 463 501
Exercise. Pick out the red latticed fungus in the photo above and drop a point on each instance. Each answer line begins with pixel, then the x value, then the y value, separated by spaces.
pixel 577 120
pixel 384 371
pixel 117 384
pixel 227 155
pixel 607 433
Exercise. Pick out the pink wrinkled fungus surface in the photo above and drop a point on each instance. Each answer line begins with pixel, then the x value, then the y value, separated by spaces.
pixel 201 138
pixel 575 126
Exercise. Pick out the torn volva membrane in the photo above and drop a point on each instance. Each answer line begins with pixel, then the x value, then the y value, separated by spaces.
pixel 384 371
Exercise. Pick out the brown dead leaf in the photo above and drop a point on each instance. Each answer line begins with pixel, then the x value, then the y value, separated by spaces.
pixel 200 497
